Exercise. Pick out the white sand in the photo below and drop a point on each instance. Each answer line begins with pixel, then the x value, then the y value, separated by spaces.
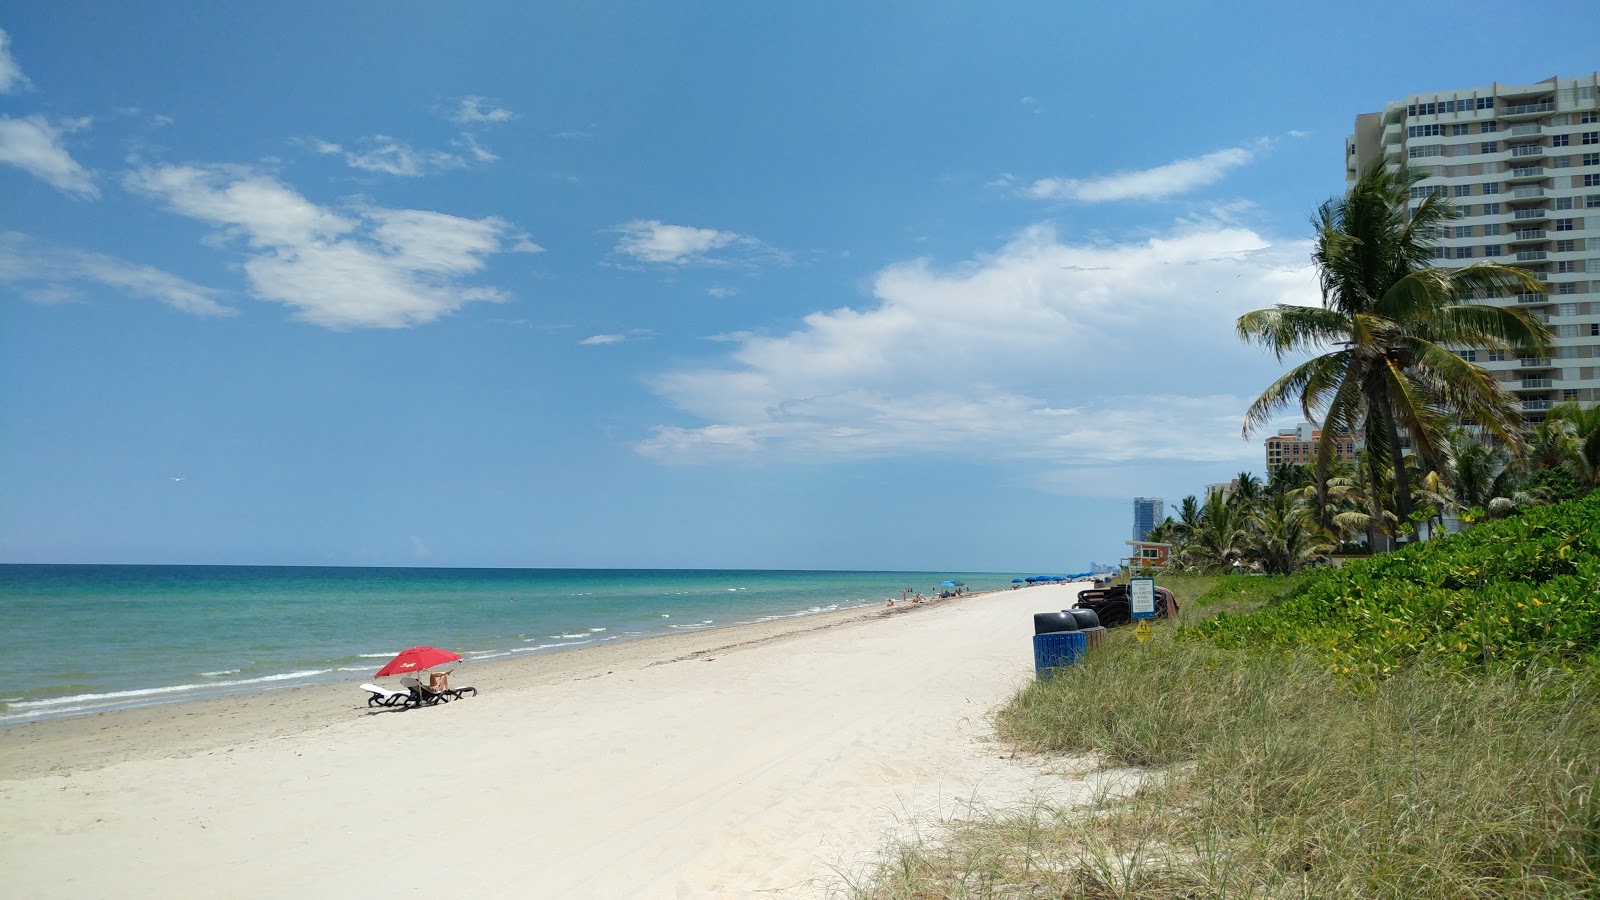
pixel 752 761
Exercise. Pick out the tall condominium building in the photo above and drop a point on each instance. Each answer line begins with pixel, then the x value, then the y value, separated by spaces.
pixel 1297 446
pixel 1147 514
pixel 1522 162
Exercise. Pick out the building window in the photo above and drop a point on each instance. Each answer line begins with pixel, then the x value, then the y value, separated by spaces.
pixel 1566 309
pixel 1419 192
pixel 1567 288
pixel 1425 131
pixel 1566 265
pixel 1594 329
pixel 1463 190
pixel 1562 162
pixel 1560 140
pixel 1463 231
pixel 1489 147
pixel 1569 394
pixel 1591 137
pixel 1566 246
pixel 1469 355
pixel 1486 103
pixel 1491 250
pixel 1491 187
pixel 1491 209
pixel 1591 179
pixel 1496 356
pixel 1564 224
pixel 1592 201
pixel 1458 130
pixel 1491 228
pixel 1563 203
pixel 1589 116
pixel 1591 159
pixel 1463 253
pixel 1424 151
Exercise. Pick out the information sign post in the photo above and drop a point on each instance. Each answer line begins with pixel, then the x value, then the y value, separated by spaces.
pixel 1142 601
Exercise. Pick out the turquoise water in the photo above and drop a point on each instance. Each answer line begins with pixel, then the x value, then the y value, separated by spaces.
pixel 90 638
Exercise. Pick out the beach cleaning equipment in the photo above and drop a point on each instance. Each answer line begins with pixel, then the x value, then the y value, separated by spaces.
pixel 415 659
pixel 382 696
pixel 1055 651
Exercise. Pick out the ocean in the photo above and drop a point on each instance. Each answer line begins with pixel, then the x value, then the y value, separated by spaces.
pixel 91 638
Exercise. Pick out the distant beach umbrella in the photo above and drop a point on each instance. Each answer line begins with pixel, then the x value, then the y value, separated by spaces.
pixel 416 659
pixel 947 584
pixel 1016 581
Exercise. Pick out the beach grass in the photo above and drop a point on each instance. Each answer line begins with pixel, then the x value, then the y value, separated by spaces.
pixel 1273 778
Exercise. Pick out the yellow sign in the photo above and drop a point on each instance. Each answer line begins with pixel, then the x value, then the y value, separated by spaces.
pixel 1142 630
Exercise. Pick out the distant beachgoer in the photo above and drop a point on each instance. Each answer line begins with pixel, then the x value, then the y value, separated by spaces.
pixel 891 601
pixel 918 598
pixel 439 681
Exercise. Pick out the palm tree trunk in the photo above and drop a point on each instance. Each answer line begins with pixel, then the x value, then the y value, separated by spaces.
pixel 1402 484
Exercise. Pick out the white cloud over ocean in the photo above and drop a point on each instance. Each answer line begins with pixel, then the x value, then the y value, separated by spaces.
pixel 50 274
pixel 355 266
pixel 1057 353
pixel 11 78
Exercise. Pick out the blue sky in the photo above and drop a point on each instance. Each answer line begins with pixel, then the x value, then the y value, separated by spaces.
pixel 910 285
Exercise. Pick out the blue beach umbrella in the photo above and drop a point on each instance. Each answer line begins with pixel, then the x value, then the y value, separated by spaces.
pixel 947 584
pixel 1016 581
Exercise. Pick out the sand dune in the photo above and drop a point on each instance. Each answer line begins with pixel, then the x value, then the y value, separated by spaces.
pixel 758 760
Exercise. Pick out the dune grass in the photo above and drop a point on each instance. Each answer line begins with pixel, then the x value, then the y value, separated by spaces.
pixel 1279 779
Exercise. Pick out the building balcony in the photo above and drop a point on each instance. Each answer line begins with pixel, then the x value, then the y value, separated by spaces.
pixel 1524 111
pixel 1530 212
pixel 1525 235
pixel 1393 133
pixel 1530 384
pixel 1538 405
pixel 1531 255
pixel 1529 132
pixel 1527 194
pixel 1527 173
pixel 1523 150
pixel 1530 362
pixel 1531 298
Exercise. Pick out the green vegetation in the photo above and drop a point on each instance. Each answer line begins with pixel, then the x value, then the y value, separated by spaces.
pixel 1523 592
pixel 1324 735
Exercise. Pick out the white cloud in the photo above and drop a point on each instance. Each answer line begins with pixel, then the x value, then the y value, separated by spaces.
pixel 473 110
pixel 656 242
pixel 358 267
pixel 1050 353
pixel 50 274
pixel 34 146
pixel 602 339
pixel 381 153
pixel 720 292
pixel 11 78
pixel 1146 184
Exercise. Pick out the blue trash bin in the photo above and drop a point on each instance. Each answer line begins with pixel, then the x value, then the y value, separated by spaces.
pixel 1057 650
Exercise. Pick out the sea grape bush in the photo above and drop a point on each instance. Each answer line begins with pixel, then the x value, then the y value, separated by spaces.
pixel 1518 593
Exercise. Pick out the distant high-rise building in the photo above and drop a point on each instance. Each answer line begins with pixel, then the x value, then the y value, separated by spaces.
pixel 1522 163
pixel 1147 514
pixel 1297 446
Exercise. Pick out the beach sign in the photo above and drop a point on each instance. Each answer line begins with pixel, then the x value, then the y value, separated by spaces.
pixel 1141 631
pixel 1143 598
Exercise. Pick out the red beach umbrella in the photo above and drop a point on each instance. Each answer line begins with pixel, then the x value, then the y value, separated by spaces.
pixel 416 659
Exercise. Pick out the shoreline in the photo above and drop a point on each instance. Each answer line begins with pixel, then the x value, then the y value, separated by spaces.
pixel 70 738
pixel 767 758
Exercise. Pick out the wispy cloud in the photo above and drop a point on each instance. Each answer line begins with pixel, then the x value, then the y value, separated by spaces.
pixel 382 153
pixel 358 266
pixel 720 292
pixel 600 340
pixel 11 78
pixel 49 274
pixel 657 242
pixel 34 145
pixel 1178 177
pixel 474 110
pixel 1003 358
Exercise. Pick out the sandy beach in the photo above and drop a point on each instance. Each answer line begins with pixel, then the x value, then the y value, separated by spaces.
pixel 757 760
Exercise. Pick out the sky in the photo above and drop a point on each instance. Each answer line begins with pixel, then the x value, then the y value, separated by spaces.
pixel 929 286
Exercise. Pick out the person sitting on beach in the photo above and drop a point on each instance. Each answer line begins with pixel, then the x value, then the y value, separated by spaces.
pixel 917 598
pixel 439 681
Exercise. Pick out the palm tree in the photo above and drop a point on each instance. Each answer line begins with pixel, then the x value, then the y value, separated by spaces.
pixel 1218 537
pixel 1284 535
pixel 1392 315
pixel 1584 427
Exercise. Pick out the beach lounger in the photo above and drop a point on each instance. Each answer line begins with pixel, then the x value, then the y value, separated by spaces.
pixel 382 696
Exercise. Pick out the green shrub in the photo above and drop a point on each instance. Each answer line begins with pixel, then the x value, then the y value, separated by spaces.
pixel 1523 592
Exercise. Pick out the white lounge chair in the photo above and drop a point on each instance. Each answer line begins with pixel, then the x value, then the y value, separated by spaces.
pixel 382 696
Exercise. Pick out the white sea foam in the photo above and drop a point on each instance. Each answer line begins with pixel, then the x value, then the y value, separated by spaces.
pixel 595 630
pixel 379 655
pixel 52 704
pixel 219 673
